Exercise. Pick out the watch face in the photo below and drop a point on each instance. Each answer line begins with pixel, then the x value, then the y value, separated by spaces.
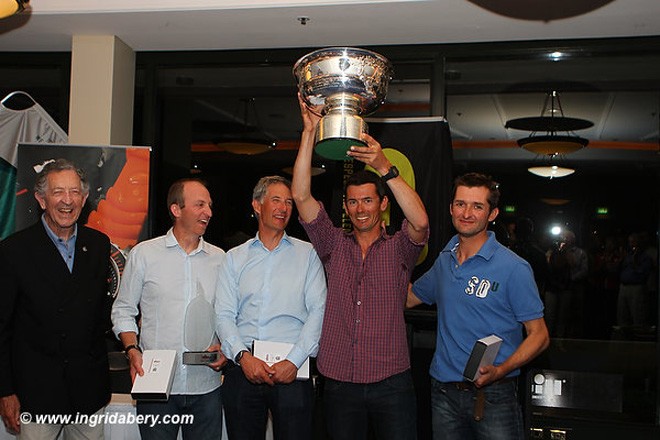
pixel 239 356
pixel 117 263
pixel 391 173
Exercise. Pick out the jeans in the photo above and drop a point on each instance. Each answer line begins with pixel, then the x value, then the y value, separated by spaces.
pixel 452 412
pixel 247 405
pixel 390 406
pixel 205 408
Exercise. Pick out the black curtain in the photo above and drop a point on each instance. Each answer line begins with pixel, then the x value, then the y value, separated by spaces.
pixel 426 143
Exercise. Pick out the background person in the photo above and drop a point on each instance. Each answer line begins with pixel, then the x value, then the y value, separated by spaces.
pixel 527 247
pixel 578 265
pixel 636 267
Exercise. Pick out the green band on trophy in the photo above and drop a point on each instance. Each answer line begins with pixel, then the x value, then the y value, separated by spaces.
pixel 335 149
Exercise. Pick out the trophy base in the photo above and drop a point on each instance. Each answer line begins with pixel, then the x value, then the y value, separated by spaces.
pixel 336 148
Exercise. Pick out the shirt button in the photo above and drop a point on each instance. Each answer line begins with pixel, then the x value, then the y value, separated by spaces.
pixel 359 303
pixel 357 321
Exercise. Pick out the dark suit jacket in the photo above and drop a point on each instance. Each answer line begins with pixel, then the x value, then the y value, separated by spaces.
pixel 53 352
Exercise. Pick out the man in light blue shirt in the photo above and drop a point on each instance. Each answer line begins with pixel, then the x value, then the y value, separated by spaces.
pixel 271 288
pixel 170 280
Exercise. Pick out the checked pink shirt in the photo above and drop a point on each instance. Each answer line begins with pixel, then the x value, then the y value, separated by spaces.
pixel 363 339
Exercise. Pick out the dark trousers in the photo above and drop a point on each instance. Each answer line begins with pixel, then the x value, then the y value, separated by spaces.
pixel 389 406
pixel 453 412
pixel 247 405
pixel 198 416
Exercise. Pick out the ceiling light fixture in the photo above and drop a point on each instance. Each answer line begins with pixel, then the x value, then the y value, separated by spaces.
pixel 551 121
pixel 11 7
pixel 555 202
pixel 251 138
pixel 316 171
pixel 551 171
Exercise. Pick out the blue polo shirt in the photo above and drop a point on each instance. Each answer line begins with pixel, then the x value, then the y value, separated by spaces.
pixel 492 292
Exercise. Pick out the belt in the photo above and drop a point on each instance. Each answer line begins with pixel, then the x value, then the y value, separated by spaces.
pixel 466 385
pixel 463 386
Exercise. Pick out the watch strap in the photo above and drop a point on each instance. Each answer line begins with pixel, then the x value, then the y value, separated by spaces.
pixel 391 174
pixel 239 356
pixel 132 347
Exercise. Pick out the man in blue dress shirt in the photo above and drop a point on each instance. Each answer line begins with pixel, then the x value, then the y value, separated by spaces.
pixel 271 288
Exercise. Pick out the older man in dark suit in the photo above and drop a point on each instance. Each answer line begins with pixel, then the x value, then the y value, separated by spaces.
pixel 53 313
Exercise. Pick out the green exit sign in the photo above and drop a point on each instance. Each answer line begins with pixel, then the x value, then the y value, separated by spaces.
pixel 509 208
pixel 602 210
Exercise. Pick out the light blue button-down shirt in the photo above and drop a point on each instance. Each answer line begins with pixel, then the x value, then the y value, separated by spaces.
pixel 66 248
pixel 276 295
pixel 162 279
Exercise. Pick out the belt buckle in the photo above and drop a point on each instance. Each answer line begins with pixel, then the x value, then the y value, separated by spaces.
pixel 463 386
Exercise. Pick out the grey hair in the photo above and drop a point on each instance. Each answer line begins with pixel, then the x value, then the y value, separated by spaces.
pixel 262 185
pixel 58 165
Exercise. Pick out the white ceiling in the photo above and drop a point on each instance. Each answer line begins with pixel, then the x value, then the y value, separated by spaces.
pixel 164 25
pixel 153 25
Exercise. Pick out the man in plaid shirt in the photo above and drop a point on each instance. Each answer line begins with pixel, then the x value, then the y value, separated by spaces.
pixel 363 351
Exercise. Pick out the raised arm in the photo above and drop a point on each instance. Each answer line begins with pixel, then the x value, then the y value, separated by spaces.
pixel 301 185
pixel 409 201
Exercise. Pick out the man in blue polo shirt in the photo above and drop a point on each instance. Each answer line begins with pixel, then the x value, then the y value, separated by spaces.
pixel 480 288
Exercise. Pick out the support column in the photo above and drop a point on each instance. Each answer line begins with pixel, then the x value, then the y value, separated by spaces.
pixel 438 88
pixel 102 91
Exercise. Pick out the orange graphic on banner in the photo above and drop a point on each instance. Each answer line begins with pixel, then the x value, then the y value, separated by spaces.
pixel 123 211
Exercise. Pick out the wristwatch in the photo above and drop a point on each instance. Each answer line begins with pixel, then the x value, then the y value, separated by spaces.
pixel 131 347
pixel 391 174
pixel 239 356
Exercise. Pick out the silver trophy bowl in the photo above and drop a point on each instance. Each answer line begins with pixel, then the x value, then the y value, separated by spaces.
pixel 342 84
